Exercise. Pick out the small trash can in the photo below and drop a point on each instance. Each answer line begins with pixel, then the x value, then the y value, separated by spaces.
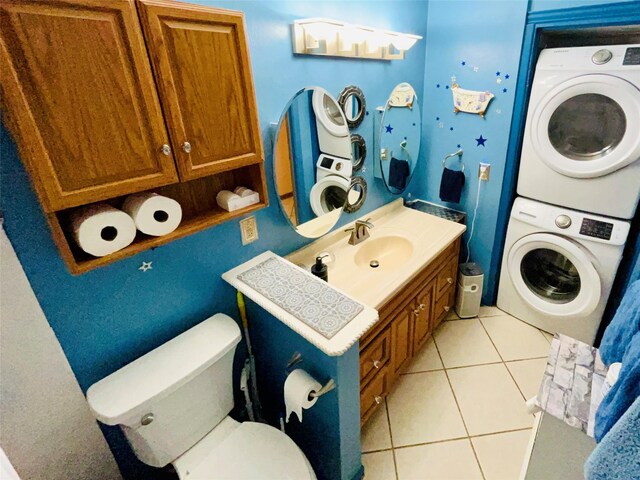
pixel 470 278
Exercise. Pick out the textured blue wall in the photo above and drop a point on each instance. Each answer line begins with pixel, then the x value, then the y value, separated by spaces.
pixel 478 43
pixel 108 317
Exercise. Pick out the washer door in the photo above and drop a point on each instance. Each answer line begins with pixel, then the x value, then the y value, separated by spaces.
pixel 554 275
pixel 328 194
pixel 588 126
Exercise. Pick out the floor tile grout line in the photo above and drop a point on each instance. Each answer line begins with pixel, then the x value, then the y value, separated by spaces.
pixel 455 399
pixel 393 451
pixel 480 435
pixel 474 365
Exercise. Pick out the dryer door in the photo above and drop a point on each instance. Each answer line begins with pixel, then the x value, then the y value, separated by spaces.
pixel 554 275
pixel 588 126
pixel 328 194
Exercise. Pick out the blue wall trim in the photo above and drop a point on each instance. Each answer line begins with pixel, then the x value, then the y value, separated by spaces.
pixel 625 13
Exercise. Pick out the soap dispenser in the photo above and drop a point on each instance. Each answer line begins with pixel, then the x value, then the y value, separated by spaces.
pixel 320 270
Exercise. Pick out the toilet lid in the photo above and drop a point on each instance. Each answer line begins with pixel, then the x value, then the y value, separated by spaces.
pixel 250 451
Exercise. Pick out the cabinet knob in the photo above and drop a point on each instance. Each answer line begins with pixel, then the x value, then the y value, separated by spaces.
pixel 378 399
pixel 416 312
pixel 422 306
pixel 166 149
pixel 447 308
pixel 186 146
pixel 449 280
pixel 147 419
pixel 377 363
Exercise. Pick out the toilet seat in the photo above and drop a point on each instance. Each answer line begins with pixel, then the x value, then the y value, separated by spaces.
pixel 244 451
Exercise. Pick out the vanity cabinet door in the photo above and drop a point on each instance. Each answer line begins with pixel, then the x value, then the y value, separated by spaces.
pixel 201 63
pixel 79 97
pixel 423 316
pixel 401 338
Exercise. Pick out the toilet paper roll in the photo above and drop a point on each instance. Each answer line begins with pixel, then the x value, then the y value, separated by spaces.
pixel 101 229
pixel 297 389
pixel 153 214
pixel 228 200
pixel 243 191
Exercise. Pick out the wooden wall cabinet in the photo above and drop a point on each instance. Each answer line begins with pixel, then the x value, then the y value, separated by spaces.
pixel 406 322
pixel 107 98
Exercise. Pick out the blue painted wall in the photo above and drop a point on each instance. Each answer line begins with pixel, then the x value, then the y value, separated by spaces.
pixel 542 5
pixel 108 317
pixel 478 43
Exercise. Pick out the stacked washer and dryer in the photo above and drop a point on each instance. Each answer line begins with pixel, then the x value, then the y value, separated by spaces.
pixel 578 185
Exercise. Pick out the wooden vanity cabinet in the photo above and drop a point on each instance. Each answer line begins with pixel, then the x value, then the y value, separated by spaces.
pixel 405 324
pixel 201 63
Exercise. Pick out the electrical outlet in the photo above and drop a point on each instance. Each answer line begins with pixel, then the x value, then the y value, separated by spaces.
pixel 483 171
pixel 249 230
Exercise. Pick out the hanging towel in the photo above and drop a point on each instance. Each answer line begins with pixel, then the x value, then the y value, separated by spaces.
pixel 398 173
pixel 624 326
pixel 451 185
pixel 617 457
pixel 623 393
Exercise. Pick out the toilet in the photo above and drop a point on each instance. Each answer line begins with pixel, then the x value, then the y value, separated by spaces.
pixel 173 405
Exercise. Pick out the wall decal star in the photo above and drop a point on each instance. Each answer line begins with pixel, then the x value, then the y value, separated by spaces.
pixel 475 69
pixel 498 80
pixel 504 90
pixel 447 87
pixel 437 119
pixel 363 169
pixel 459 146
pixel 463 63
pixel 480 141
pixel 437 85
pixel 497 74
pixel 388 128
pixel 145 266
pixel 506 76
pixel 451 128
pixel 441 125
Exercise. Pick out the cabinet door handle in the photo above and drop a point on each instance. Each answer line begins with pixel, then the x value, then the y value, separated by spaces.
pixel 449 280
pixel 186 146
pixel 378 399
pixel 447 308
pixel 166 149
pixel 377 363
pixel 422 306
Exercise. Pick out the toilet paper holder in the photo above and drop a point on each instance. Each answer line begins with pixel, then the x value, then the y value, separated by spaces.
pixel 330 385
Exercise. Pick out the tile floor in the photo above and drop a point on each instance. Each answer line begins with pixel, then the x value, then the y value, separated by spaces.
pixel 459 412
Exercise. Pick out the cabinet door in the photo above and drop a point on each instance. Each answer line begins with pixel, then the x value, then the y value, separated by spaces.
pixel 80 100
pixel 424 316
pixel 201 63
pixel 401 338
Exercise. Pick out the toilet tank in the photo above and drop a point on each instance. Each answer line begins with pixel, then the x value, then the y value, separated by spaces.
pixel 170 398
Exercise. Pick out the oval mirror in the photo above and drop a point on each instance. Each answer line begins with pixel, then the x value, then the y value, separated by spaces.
pixel 358 151
pixel 353 104
pixel 400 138
pixel 312 162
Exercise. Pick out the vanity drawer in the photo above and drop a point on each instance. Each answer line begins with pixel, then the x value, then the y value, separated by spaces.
pixel 443 306
pixel 372 395
pixel 375 356
pixel 446 276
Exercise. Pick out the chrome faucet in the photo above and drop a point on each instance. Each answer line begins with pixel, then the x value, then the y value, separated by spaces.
pixel 359 232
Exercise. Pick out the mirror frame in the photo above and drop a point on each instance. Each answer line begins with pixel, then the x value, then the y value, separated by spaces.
pixel 362 145
pixel 356 181
pixel 362 111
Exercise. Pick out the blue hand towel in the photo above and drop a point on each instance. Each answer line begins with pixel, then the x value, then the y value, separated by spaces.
pixel 617 457
pixel 623 327
pixel 623 393
pixel 451 185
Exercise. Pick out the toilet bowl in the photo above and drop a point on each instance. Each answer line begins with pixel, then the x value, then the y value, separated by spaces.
pixel 173 404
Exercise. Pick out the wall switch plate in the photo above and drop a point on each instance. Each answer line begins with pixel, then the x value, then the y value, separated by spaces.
pixel 249 230
pixel 483 171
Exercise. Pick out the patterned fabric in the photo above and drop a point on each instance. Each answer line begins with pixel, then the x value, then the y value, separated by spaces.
pixel 310 300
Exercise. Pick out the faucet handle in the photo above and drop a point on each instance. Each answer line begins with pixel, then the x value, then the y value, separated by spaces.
pixel 366 222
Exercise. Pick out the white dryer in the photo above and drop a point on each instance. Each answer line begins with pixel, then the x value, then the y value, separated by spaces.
pixel 558 267
pixel 581 145
pixel 333 131
pixel 333 180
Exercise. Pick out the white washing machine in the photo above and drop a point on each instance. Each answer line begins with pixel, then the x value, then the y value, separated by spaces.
pixel 333 179
pixel 333 131
pixel 581 145
pixel 558 267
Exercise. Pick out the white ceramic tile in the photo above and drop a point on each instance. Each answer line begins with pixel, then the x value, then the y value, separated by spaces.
pixel 438 461
pixel 515 340
pixel 452 316
pixel 426 359
pixel 422 409
pixel 528 375
pixel 375 433
pixel 489 399
pixel 490 311
pixel 501 455
pixel 464 343
pixel 379 466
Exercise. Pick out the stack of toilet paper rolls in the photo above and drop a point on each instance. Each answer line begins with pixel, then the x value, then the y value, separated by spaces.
pixel 102 229
pixel 241 197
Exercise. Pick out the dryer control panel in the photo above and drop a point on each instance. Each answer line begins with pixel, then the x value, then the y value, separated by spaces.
pixel 596 228
pixel 631 56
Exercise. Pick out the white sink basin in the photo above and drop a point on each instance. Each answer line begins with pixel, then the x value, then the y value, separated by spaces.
pixel 384 253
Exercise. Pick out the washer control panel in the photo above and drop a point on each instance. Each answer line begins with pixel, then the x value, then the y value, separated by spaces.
pixel 596 228
pixel 631 56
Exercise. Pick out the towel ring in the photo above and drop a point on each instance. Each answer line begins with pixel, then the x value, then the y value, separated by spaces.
pixel 459 154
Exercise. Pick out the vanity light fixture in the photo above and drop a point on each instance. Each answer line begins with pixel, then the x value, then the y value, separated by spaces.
pixel 322 36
